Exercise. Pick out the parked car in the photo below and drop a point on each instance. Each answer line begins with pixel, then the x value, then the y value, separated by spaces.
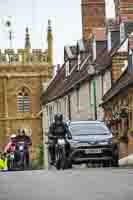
pixel 92 142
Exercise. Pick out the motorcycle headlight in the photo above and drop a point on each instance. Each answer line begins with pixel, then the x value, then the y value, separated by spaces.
pixel 61 141
pixel 106 141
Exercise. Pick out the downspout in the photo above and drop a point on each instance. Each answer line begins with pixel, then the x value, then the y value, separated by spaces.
pixel 95 104
pixel 69 107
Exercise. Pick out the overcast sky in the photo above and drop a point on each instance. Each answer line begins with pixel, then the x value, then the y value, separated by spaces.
pixel 65 16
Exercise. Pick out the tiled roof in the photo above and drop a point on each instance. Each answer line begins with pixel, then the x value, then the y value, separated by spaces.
pixel 61 85
pixel 123 82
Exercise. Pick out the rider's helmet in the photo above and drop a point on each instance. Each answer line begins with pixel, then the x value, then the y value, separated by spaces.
pixel 58 118
pixel 13 137
pixel 21 132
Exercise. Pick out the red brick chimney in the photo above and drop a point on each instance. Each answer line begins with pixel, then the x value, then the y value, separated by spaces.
pixel 93 16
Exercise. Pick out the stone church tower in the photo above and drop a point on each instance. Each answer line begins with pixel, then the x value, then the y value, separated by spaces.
pixel 93 16
pixel 22 73
pixel 124 9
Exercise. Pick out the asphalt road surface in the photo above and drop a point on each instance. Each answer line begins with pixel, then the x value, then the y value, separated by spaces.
pixel 83 184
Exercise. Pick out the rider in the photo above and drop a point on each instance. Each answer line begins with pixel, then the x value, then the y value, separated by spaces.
pixel 22 137
pixel 11 146
pixel 58 129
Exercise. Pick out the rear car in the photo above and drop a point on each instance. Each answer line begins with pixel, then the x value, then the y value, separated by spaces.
pixel 92 142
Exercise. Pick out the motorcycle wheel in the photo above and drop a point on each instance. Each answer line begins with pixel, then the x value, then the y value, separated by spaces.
pixel 22 161
pixel 63 159
pixel 57 160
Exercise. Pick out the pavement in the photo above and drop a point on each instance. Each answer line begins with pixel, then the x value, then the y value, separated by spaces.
pixel 77 184
pixel 126 161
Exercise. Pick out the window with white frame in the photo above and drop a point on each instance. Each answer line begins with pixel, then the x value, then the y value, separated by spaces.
pixel 50 114
pixel 122 32
pixel 23 99
pixel 58 106
pixel 79 61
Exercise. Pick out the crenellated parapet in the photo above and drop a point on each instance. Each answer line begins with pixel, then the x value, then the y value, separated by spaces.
pixel 23 56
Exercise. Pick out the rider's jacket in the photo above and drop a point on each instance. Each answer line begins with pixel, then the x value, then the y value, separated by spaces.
pixel 23 138
pixel 10 147
pixel 60 130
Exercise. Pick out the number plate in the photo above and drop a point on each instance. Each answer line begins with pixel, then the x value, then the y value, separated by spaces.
pixel 92 151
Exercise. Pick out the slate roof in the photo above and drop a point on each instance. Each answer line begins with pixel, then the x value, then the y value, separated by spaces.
pixel 121 84
pixel 61 85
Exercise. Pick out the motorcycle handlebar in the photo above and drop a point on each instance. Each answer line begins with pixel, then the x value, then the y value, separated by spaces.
pixel 57 137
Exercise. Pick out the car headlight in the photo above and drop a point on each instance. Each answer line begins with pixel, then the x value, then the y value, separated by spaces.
pixel 74 142
pixel 106 141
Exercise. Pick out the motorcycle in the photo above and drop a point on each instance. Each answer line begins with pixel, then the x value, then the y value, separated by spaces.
pixel 61 158
pixel 21 148
pixel 60 153
pixel 11 160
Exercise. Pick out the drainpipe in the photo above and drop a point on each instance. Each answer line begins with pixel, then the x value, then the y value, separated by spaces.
pixel 69 107
pixel 95 104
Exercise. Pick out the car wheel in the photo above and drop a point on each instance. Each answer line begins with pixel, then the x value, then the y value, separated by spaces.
pixel 106 163
pixel 69 164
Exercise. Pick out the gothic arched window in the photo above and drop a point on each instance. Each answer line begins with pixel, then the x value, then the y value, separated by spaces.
pixel 23 101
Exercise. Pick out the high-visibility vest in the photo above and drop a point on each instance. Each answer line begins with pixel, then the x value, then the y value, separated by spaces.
pixel 3 164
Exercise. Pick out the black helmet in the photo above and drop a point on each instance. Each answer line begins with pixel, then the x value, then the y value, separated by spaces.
pixel 58 117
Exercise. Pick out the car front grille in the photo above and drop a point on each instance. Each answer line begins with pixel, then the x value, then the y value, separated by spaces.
pixel 80 152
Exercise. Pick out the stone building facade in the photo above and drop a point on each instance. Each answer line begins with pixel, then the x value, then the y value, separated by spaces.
pixel 22 74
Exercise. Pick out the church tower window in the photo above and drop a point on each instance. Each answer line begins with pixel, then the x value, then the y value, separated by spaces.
pixel 23 101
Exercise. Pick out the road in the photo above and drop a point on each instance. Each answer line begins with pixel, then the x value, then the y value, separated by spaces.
pixel 83 184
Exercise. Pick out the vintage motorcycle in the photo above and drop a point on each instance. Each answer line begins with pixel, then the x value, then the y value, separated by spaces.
pixel 11 160
pixel 61 154
pixel 21 148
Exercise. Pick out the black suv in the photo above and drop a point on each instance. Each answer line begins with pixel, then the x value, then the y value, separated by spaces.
pixel 92 142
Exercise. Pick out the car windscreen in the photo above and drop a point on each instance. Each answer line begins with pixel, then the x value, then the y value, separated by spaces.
pixel 89 129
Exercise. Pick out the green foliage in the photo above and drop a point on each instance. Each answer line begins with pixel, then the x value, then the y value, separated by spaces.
pixel 130 130
pixel 40 154
pixel 35 165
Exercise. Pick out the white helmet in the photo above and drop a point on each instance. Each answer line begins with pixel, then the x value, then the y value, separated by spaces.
pixel 13 136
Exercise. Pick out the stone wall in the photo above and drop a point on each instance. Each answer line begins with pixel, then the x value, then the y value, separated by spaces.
pixel 13 79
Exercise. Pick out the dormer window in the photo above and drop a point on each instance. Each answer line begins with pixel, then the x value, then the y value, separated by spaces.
pixel 94 48
pixel 67 66
pixel 79 61
pixel 122 32
pixel 109 41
